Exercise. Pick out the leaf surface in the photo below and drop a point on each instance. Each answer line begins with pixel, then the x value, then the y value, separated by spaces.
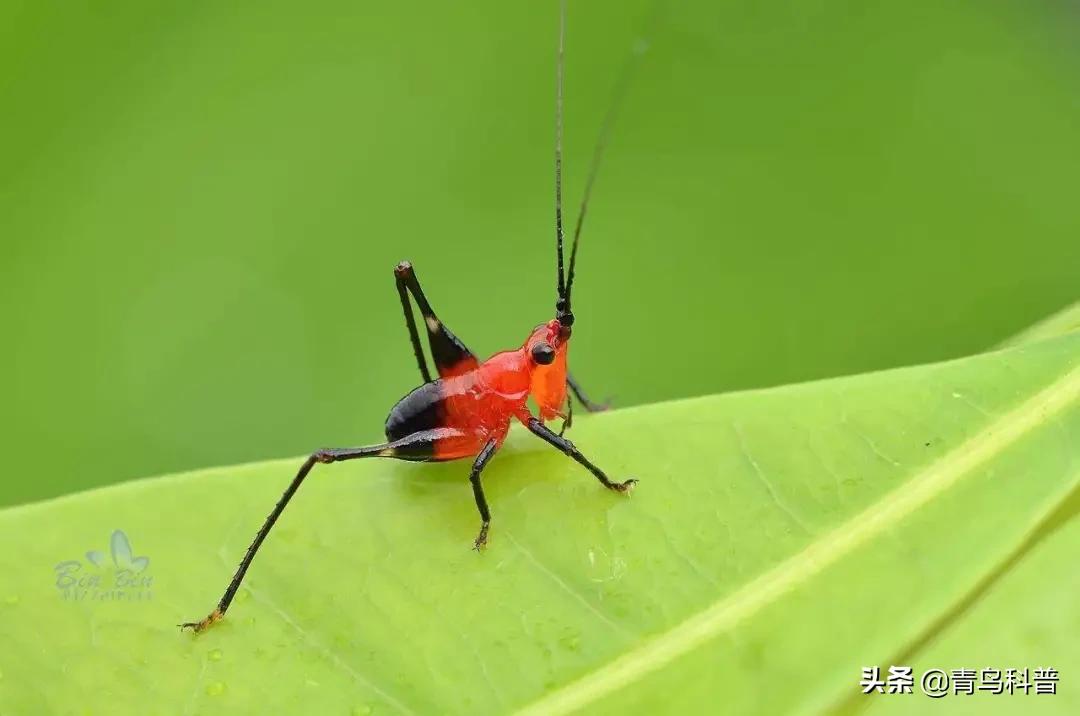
pixel 779 540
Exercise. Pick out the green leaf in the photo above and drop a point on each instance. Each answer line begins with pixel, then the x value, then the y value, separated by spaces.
pixel 1024 615
pixel 1064 321
pixel 779 540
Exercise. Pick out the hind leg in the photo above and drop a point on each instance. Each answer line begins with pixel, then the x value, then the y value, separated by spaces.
pixel 449 353
pixel 399 449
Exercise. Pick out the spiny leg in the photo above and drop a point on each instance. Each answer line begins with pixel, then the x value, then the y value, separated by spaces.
pixel 482 459
pixel 324 456
pixel 449 353
pixel 568 448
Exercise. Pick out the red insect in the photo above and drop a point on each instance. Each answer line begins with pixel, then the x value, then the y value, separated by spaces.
pixel 467 410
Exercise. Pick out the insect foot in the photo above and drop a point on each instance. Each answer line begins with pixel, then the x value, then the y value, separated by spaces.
pixel 624 487
pixel 199 627
pixel 481 539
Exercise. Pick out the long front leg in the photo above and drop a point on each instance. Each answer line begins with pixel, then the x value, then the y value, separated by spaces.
pixel 482 459
pixel 568 448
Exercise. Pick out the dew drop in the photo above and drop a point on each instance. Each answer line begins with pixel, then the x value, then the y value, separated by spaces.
pixel 215 689
pixel 11 599
pixel 215 655
pixel 362 710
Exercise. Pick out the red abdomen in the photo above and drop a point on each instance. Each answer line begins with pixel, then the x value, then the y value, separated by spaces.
pixel 454 417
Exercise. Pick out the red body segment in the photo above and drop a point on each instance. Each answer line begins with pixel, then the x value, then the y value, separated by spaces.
pixel 474 402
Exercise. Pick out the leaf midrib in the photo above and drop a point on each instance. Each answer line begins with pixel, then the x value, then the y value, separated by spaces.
pixel 891 509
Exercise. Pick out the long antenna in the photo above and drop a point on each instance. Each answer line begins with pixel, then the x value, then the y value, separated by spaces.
pixel 617 96
pixel 558 149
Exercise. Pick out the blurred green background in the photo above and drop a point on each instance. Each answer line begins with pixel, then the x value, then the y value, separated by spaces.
pixel 202 204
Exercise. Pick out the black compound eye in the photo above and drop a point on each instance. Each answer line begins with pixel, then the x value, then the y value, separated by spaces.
pixel 543 354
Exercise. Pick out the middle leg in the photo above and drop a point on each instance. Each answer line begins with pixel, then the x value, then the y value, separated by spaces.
pixel 478 491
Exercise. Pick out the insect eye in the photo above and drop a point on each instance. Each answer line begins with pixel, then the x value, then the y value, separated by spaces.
pixel 543 354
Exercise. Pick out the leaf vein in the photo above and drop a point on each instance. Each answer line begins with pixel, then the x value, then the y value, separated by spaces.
pixel 329 653
pixel 875 520
pixel 576 594
pixel 780 504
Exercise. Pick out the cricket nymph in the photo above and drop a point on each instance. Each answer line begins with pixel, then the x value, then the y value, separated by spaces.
pixel 466 411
